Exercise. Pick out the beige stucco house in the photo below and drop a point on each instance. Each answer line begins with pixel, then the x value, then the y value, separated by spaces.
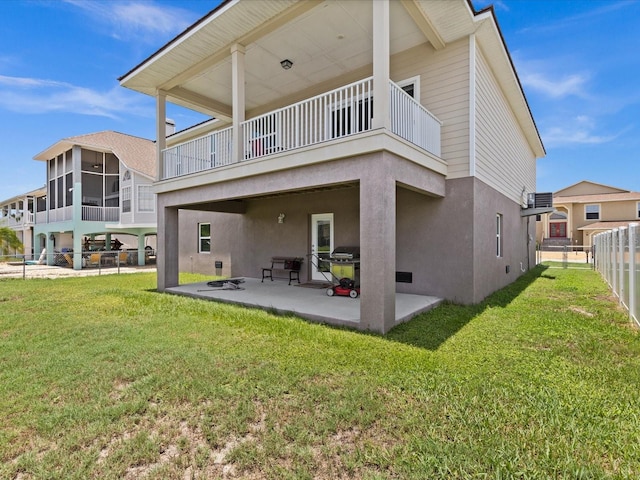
pixel 397 126
pixel 585 209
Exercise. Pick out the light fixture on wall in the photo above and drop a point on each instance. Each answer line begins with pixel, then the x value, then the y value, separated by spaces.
pixel 286 64
pixel 52 237
pixel 281 218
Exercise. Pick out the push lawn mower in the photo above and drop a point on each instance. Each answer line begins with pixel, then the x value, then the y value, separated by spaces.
pixel 340 286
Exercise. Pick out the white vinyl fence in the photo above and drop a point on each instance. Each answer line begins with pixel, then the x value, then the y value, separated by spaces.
pixel 617 258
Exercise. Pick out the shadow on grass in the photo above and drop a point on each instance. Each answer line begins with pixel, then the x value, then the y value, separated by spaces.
pixel 431 329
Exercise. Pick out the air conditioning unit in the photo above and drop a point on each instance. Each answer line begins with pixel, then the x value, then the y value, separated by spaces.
pixel 540 200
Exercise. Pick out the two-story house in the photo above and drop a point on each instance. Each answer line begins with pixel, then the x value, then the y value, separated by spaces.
pixel 98 185
pixel 18 213
pixel 584 209
pixel 397 126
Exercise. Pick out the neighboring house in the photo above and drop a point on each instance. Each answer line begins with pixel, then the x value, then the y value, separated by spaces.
pixel 584 209
pixel 18 213
pixel 397 126
pixel 98 185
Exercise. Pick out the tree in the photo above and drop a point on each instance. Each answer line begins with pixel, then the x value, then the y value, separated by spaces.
pixel 9 241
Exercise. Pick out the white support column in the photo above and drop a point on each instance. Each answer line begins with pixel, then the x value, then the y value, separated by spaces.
pixel 238 99
pixel 381 69
pixel 161 129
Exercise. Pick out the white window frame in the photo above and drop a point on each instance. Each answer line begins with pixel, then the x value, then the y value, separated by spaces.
pixel 499 220
pixel 150 200
pixel 637 209
pixel 415 81
pixel 204 237
pixel 586 207
pixel 126 196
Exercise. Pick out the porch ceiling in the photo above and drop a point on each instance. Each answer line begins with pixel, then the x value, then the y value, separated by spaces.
pixel 237 205
pixel 324 40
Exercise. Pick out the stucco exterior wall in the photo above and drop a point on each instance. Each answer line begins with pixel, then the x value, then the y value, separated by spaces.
pixel 447 244
pixel 518 243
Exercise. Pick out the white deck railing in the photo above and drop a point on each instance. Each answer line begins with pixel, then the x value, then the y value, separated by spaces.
pixel 19 220
pixel 211 151
pixel 411 121
pixel 60 214
pixel 100 214
pixel 344 111
pixel 336 114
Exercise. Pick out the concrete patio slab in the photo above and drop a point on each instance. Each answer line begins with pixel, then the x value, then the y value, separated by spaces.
pixel 305 301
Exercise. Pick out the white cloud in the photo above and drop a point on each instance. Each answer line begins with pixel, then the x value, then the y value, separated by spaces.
pixel 142 20
pixel 40 96
pixel 581 130
pixel 564 86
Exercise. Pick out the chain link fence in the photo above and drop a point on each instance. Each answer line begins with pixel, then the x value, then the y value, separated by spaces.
pixel 567 254
pixel 618 261
pixel 61 264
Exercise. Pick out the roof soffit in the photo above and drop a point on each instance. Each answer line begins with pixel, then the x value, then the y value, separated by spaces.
pixel 324 39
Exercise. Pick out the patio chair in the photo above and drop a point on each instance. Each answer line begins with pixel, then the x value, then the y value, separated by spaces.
pixel 94 260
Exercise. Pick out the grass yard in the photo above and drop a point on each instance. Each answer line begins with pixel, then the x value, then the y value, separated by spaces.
pixel 103 378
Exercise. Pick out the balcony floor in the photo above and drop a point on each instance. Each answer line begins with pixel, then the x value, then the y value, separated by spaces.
pixel 311 303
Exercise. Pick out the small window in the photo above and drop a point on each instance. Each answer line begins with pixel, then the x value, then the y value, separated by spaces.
pixel 411 86
pixel 498 235
pixel 204 238
pixel 638 210
pixel 592 212
pixel 146 199
pixel 126 199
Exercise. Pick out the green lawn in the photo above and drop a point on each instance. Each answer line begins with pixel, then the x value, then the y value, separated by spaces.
pixel 103 378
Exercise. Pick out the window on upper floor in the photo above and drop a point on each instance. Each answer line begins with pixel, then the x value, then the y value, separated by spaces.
pixel 60 192
pixel 126 199
pixel 592 212
pixel 638 210
pixel 411 86
pixel 146 199
pixel 204 238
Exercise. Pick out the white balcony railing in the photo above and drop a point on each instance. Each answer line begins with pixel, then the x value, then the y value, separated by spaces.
pixel 204 153
pixel 60 214
pixel 100 214
pixel 17 220
pixel 336 114
pixel 41 217
pixel 411 121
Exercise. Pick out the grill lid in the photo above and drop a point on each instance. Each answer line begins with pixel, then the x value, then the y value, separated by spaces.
pixel 346 253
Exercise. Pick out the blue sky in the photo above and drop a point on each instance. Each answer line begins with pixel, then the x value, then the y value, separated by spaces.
pixel 578 62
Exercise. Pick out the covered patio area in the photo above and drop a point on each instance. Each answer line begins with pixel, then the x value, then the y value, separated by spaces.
pixel 308 301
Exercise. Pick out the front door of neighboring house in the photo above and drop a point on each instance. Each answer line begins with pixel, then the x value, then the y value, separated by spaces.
pixel 321 245
pixel 558 229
